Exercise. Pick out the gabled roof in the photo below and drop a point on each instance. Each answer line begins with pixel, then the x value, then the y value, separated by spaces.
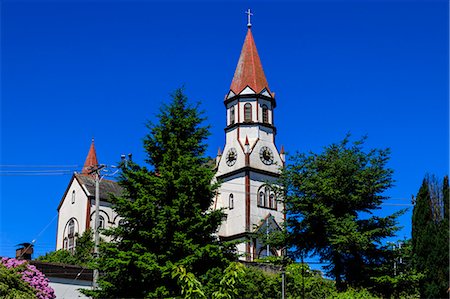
pixel 87 183
pixel 91 159
pixel 106 186
pixel 249 71
pixel 270 220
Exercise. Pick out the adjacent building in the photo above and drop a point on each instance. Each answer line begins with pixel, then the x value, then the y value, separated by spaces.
pixel 76 210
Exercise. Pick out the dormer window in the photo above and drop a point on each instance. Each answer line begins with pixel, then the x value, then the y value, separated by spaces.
pixel 265 114
pixel 232 115
pixel 247 112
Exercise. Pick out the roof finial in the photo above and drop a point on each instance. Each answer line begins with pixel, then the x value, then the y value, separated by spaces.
pixel 249 14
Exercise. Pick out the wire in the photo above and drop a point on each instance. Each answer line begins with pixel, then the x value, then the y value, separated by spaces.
pixel 36 170
pixel 37 166
pixel 38 235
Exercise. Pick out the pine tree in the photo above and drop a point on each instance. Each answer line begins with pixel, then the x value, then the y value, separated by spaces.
pixel 326 196
pixel 166 221
pixel 430 234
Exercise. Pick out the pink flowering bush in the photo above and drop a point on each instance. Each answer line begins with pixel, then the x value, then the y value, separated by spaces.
pixel 32 276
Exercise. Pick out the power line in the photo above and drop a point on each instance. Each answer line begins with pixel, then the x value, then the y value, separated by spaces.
pixel 37 166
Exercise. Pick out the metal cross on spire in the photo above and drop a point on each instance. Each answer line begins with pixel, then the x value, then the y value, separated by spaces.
pixel 249 14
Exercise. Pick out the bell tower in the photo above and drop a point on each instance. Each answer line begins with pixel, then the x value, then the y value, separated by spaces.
pixel 250 163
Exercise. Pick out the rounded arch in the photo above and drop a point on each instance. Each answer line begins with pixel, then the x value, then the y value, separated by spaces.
pixel 267 197
pixel 263 252
pixel 76 226
pixel 71 231
pixel 101 213
pixel 116 219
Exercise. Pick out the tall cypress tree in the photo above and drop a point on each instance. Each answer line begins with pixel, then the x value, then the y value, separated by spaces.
pixel 166 221
pixel 430 239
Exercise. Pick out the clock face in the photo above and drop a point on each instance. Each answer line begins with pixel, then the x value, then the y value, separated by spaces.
pixel 231 156
pixel 266 155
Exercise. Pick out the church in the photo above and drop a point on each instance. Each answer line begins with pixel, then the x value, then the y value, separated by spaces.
pixel 76 210
pixel 247 169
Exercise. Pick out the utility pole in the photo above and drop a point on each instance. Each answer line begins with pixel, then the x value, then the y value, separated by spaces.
pixel 96 171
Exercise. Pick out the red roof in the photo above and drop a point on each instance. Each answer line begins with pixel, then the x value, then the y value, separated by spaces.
pixel 91 159
pixel 249 70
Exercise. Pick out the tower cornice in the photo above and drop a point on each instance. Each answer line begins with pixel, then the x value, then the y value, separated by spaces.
pixel 252 124
pixel 250 96
pixel 248 168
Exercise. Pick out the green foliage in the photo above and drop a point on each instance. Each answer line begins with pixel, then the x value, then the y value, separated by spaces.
pixel 251 282
pixel 397 278
pixel 302 282
pixel 330 198
pixel 190 286
pixel 227 288
pixel 82 255
pixel 353 294
pixel 12 285
pixel 258 284
pixel 430 233
pixel 165 210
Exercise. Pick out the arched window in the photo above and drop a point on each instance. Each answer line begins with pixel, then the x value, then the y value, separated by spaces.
pixel 65 243
pixel 262 199
pixel 71 228
pixel 265 114
pixel 232 116
pixel 231 201
pixel 248 112
pixel 73 196
pixel 71 235
pixel 266 197
pixel 272 204
pixel 101 222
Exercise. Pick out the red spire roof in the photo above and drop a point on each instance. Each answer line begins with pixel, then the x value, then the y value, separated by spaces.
pixel 249 70
pixel 91 159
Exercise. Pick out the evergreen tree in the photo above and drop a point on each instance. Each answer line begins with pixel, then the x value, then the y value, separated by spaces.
pixel 330 198
pixel 430 233
pixel 166 221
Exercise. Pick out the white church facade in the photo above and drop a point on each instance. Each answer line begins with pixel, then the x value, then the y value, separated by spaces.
pixel 76 210
pixel 247 169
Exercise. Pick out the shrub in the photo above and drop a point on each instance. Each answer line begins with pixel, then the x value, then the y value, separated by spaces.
pixel 18 279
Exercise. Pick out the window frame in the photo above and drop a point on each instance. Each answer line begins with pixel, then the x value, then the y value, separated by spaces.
pixel 265 114
pixel 232 115
pixel 231 201
pixel 267 198
pixel 248 115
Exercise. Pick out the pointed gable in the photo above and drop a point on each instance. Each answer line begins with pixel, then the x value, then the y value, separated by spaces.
pixel 249 71
pixel 91 159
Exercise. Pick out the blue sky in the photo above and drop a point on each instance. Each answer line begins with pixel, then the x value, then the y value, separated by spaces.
pixel 73 70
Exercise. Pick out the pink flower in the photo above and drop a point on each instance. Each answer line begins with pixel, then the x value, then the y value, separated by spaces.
pixel 33 276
